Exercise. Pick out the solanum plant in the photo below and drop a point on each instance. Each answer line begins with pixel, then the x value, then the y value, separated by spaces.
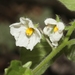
pixel 38 47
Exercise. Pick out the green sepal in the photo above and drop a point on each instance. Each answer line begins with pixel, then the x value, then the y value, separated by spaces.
pixel 57 18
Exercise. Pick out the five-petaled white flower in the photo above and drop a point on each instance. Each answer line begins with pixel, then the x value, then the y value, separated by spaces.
pixel 54 30
pixel 25 33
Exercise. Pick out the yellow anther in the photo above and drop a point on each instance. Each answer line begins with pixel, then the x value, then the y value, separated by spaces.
pixel 55 29
pixel 29 31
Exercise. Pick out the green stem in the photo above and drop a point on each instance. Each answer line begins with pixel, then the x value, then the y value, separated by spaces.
pixel 55 51
pixel 46 38
pixel 49 57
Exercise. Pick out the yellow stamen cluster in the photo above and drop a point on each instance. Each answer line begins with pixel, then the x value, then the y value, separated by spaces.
pixel 55 29
pixel 29 31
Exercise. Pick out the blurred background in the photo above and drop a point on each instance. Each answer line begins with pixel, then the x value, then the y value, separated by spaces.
pixel 37 11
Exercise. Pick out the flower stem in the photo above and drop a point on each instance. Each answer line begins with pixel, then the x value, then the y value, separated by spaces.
pixel 48 41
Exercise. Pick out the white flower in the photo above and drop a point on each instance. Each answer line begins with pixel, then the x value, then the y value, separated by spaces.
pixel 54 30
pixel 25 33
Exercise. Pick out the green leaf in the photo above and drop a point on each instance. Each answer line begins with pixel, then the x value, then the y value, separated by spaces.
pixel 28 64
pixel 67 27
pixel 71 53
pixel 15 64
pixel 71 42
pixel 28 72
pixel 70 4
pixel 16 68
pixel 70 50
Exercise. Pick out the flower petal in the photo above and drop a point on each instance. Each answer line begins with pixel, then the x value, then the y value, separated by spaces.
pixel 55 37
pixel 55 44
pixel 22 40
pixel 60 26
pixel 26 21
pixel 16 29
pixel 47 30
pixel 30 24
pixel 50 21
pixel 37 32
pixel 23 20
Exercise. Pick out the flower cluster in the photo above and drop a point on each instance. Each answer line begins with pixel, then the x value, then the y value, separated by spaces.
pixel 27 35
